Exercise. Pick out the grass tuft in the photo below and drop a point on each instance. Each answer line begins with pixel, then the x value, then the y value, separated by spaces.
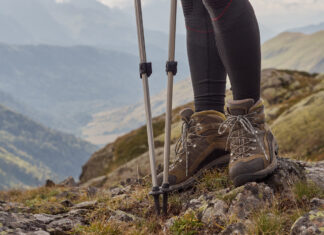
pixel 187 225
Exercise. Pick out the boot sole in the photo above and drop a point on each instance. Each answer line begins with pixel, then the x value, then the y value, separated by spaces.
pixel 256 176
pixel 220 162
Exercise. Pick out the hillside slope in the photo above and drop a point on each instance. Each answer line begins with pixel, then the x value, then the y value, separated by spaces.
pixel 283 91
pixel 107 125
pixel 31 153
pixel 295 51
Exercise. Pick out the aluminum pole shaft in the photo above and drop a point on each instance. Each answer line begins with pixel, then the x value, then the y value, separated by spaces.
pixel 142 51
pixel 168 118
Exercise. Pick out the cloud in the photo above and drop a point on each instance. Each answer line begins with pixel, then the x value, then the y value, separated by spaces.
pixel 268 7
pixel 121 3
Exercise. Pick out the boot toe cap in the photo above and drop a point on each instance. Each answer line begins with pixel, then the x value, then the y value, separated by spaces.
pixel 246 167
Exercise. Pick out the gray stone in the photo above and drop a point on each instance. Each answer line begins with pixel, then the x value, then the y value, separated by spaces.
pixel 288 172
pixel 44 218
pixel 69 182
pixel 315 173
pixel 64 224
pixel 250 197
pixel 317 203
pixel 122 216
pixel 40 232
pixel 117 191
pixel 235 229
pixel 311 223
pixel 86 205
pixel 216 213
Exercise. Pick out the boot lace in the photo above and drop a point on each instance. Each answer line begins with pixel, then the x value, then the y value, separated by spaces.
pixel 240 148
pixel 188 132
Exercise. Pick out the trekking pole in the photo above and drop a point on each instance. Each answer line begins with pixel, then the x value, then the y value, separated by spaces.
pixel 171 69
pixel 145 72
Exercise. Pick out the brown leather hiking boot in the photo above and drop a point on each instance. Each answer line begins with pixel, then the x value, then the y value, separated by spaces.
pixel 200 147
pixel 253 148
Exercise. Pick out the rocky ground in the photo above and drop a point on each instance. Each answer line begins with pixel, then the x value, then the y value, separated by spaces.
pixel 291 201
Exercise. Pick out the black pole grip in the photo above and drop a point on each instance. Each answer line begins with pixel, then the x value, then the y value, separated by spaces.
pixel 145 68
pixel 171 66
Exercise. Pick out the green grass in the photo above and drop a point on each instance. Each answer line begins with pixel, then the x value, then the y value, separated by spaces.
pixel 267 223
pixel 306 190
pixel 134 144
pixel 43 200
pixel 187 225
pixel 98 228
pixel 214 180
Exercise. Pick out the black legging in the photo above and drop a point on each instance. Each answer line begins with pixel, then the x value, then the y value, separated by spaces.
pixel 222 38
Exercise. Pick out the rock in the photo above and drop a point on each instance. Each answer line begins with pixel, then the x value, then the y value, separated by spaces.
pixel 252 196
pixel 40 232
pixel 49 184
pixel 85 205
pixel 122 216
pixel 287 174
pixel 317 203
pixel 315 173
pixel 235 229
pixel 311 223
pixel 216 213
pixel 24 223
pixel 116 191
pixel 69 182
pixel 44 218
pixel 61 225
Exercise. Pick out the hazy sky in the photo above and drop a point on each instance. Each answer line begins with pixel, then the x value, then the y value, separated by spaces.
pixel 276 15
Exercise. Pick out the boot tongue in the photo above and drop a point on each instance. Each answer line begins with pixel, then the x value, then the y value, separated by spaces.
pixel 186 114
pixel 239 107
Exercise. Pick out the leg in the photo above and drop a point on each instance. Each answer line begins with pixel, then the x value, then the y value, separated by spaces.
pixel 238 41
pixel 207 71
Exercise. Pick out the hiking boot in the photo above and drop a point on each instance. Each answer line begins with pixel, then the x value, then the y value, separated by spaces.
pixel 253 148
pixel 200 147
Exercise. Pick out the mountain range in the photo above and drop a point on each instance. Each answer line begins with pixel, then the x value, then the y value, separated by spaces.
pixel 297 51
pixel 30 153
